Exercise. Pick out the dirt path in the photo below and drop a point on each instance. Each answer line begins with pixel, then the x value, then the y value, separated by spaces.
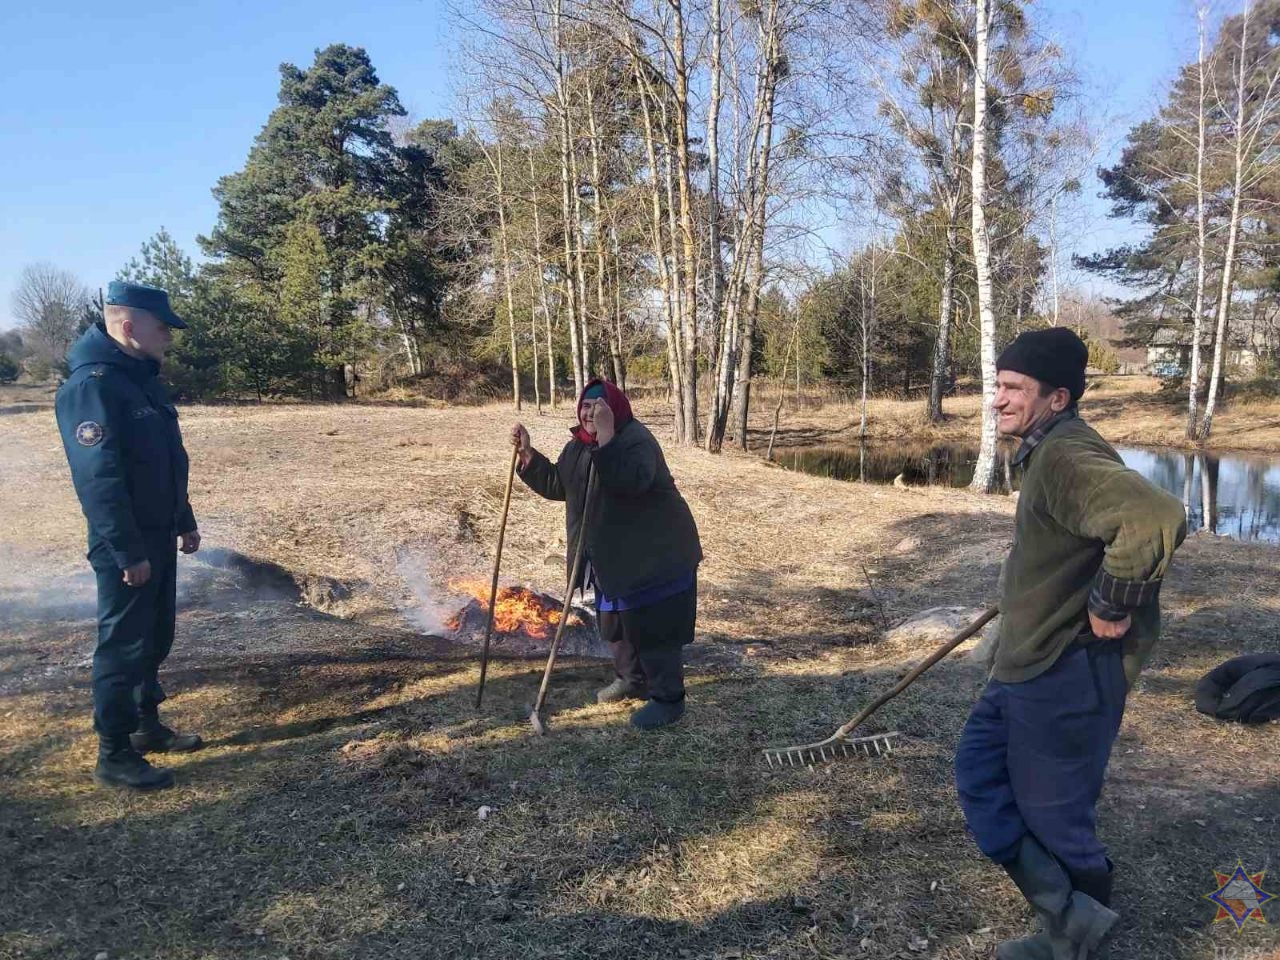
pixel 335 813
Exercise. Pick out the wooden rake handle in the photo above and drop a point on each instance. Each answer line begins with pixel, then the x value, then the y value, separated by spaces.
pixel 987 616
pixel 578 553
pixel 497 563
pixel 842 734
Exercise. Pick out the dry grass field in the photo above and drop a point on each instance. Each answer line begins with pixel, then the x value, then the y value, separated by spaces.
pixel 339 810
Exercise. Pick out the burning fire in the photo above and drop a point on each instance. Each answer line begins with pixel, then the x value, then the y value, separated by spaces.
pixel 516 609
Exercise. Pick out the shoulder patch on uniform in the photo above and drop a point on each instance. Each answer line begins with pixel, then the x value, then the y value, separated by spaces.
pixel 89 434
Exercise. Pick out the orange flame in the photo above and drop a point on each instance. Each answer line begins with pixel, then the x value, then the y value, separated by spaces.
pixel 516 609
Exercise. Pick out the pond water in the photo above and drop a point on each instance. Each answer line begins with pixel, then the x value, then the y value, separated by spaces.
pixel 1235 495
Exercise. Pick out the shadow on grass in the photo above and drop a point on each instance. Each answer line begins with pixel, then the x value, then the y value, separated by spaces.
pixel 355 834
pixel 354 831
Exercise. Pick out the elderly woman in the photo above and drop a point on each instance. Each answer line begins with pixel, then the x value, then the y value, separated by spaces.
pixel 642 548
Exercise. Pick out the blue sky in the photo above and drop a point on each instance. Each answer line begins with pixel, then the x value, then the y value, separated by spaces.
pixel 119 117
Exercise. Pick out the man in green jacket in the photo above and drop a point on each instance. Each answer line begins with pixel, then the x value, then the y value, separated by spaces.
pixel 1079 614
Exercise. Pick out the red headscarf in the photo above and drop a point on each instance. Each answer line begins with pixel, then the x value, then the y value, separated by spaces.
pixel 617 401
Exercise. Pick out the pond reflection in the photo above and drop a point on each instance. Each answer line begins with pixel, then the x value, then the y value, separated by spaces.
pixel 1232 495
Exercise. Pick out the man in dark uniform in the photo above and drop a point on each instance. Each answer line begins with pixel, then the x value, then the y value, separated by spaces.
pixel 121 436
pixel 1079 613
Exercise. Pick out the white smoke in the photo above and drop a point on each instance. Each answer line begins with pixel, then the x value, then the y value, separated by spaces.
pixel 34 589
pixel 430 606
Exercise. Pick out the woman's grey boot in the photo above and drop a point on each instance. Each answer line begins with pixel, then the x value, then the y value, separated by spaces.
pixel 621 690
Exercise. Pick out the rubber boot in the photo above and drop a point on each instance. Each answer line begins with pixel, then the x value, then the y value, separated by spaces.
pixel 1095 884
pixel 1074 924
pixel 657 713
pixel 122 766
pixel 1035 947
pixel 155 737
pixel 621 690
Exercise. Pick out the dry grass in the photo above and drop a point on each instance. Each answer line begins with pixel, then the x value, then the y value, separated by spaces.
pixel 335 812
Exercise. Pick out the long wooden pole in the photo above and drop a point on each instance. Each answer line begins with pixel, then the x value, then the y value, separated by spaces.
pixel 493 586
pixel 534 716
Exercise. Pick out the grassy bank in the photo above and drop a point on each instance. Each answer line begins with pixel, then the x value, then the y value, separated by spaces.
pixel 1129 410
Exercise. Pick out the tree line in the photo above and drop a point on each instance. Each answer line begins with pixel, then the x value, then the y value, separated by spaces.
pixel 635 189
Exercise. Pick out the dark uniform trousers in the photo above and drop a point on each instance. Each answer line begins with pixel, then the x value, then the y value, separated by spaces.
pixel 648 643
pixel 135 634
pixel 1033 756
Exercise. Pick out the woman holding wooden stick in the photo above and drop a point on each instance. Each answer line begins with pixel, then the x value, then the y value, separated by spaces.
pixel 642 548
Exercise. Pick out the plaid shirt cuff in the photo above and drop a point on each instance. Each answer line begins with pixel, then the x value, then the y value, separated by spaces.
pixel 1114 599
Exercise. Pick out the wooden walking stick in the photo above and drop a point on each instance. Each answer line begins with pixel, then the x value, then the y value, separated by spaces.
pixel 535 720
pixel 840 741
pixel 497 562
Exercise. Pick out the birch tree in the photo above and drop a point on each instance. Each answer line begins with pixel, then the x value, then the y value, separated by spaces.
pixel 1202 232
pixel 1254 137
pixel 925 87
pixel 984 477
pixel 494 157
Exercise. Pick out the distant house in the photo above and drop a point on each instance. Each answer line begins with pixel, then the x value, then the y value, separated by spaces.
pixel 1169 352
pixel 1132 359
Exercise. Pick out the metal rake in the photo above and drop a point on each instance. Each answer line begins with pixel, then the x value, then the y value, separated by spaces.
pixel 841 744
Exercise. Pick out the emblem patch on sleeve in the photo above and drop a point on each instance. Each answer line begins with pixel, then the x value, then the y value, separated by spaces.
pixel 89 434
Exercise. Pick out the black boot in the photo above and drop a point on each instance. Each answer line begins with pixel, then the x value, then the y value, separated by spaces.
pixel 122 766
pixel 1096 883
pixel 155 737
pixel 1074 924
pixel 657 713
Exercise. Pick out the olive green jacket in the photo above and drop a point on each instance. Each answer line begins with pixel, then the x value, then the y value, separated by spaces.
pixel 1090 535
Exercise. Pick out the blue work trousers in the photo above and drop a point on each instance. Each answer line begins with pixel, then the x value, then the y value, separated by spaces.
pixel 1033 756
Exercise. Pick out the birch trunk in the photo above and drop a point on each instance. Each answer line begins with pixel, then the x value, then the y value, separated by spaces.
pixel 496 165
pixel 722 365
pixel 1233 232
pixel 677 272
pixel 566 201
pixel 984 477
pixel 946 310
pixel 771 45
pixel 688 238
pixel 542 292
pixel 1053 260
pixel 604 319
pixel 868 331
pixel 1202 245
pixel 580 267
pixel 659 249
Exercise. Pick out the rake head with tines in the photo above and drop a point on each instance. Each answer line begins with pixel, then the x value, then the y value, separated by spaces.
pixel 832 748
pixel 840 744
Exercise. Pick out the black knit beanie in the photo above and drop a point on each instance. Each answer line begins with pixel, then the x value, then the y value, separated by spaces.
pixel 1055 356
